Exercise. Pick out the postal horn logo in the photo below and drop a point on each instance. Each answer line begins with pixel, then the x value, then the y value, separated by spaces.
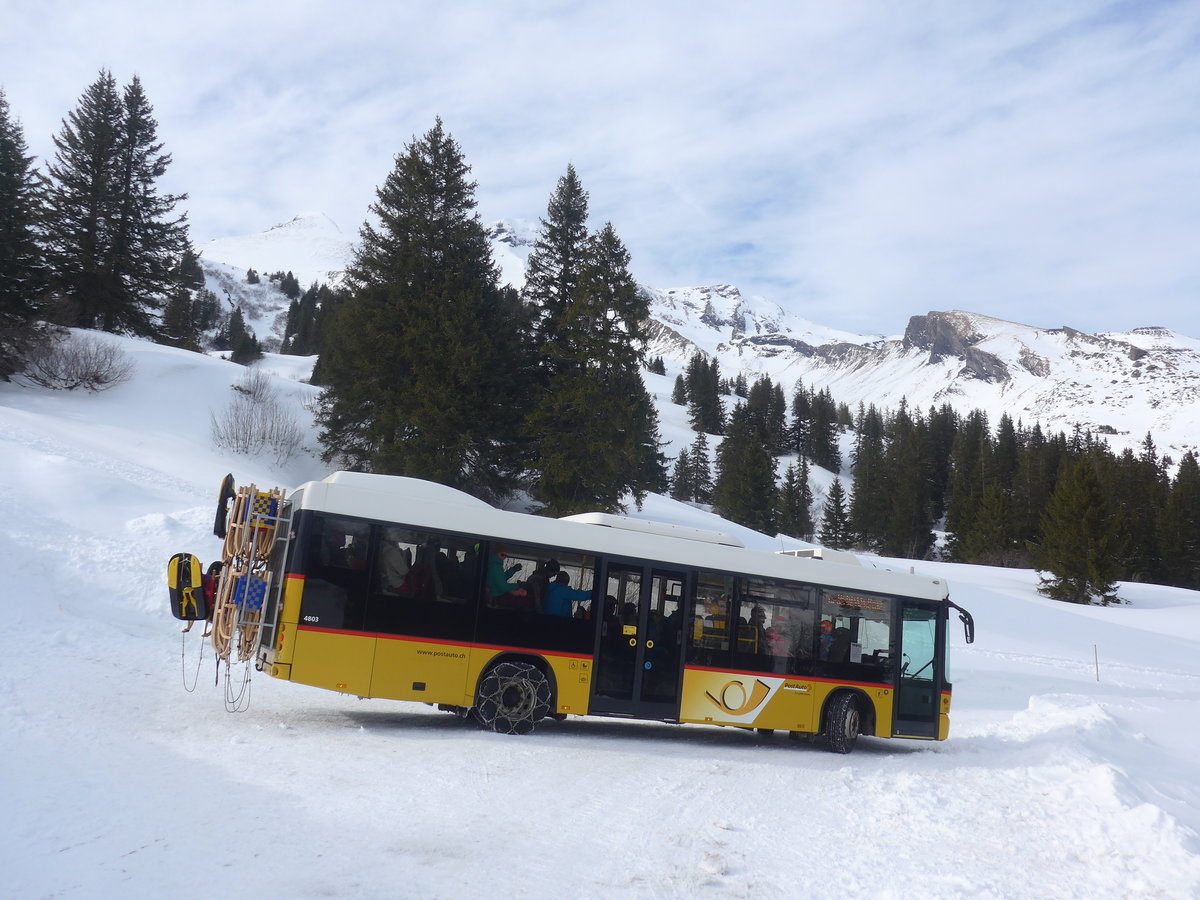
pixel 736 700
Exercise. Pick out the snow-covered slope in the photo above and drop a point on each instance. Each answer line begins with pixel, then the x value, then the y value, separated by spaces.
pixel 511 244
pixel 1119 386
pixel 311 246
pixel 1061 778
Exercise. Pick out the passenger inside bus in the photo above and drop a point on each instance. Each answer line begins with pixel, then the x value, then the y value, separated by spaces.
pixel 343 546
pixel 424 578
pixel 394 564
pixel 826 641
pixel 839 647
pixel 560 596
pixel 537 583
pixel 503 592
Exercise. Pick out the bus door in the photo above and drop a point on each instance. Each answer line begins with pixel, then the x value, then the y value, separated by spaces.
pixel 639 642
pixel 919 685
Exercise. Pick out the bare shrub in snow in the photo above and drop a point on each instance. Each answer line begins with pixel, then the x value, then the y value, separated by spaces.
pixel 254 423
pixel 311 404
pixel 78 361
pixel 257 385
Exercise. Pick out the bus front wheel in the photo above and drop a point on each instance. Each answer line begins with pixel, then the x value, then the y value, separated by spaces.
pixel 512 698
pixel 843 723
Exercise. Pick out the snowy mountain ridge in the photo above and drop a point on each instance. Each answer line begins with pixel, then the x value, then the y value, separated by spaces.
pixel 1120 385
pixel 310 246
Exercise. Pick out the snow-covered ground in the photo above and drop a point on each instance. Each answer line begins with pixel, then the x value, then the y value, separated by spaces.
pixel 1061 778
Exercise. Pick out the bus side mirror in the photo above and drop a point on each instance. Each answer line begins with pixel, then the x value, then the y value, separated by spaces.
pixel 968 622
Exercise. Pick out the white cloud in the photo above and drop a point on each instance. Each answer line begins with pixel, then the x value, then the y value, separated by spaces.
pixel 863 162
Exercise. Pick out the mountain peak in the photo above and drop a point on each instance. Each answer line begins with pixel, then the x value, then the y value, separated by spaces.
pixel 309 245
pixel 308 221
pixel 517 233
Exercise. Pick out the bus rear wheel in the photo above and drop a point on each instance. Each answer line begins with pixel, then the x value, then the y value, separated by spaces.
pixel 843 723
pixel 512 698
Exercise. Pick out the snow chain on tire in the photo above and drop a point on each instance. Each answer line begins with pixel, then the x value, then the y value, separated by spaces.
pixel 512 698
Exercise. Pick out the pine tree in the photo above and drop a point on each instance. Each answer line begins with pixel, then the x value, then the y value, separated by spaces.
pixel 1138 487
pixel 236 329
pixel 845 418
pixel 801 420
pixel 189 273
pixel 151 240
pixel 681 479
pixel 114 245
pixel 301 336
pixel 594 429
pixel 22 273
pixel 744 491
pixel 992 539
pixel 1179 527
pixel 793 502
pixel 289 285
pixel 679 391
pixel 702 481
pixel 835 523
pixel 423 364
pixel 1038 463
pixel 246 349
pixel 179 321
pixel 969 471
pixel 650 475
pixel 1005 457
pixel 553 269
pixel 206 310
pixel 823 432
pixel 1076 552
pixel 80 205
pixel 870 509
pixel 766 403
pixel 703 379
pixel 943 424
pixel 909 526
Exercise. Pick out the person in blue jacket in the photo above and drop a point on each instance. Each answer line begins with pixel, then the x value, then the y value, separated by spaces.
pixel 560 596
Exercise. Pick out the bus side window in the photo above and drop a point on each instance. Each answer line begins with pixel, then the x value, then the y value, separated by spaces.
pixel 856 631
pixel 537 597
pixel 335 592
pixel 423 584
pixel 395 559
pixel 777 636
pixel 710 631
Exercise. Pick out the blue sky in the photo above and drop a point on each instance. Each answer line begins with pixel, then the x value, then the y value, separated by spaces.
pixel 858 163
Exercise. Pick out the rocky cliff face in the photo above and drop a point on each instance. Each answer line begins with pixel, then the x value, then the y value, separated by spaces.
pixel 952 335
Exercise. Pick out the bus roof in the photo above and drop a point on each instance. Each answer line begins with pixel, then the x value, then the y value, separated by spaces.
pixel 423 504
pixel 644 526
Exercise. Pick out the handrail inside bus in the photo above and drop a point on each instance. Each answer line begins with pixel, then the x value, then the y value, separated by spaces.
pixel 968 621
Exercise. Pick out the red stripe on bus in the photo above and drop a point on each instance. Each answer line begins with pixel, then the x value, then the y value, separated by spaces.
pixel 421 640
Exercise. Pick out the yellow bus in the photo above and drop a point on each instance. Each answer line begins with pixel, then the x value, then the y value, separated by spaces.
pixel 397 588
